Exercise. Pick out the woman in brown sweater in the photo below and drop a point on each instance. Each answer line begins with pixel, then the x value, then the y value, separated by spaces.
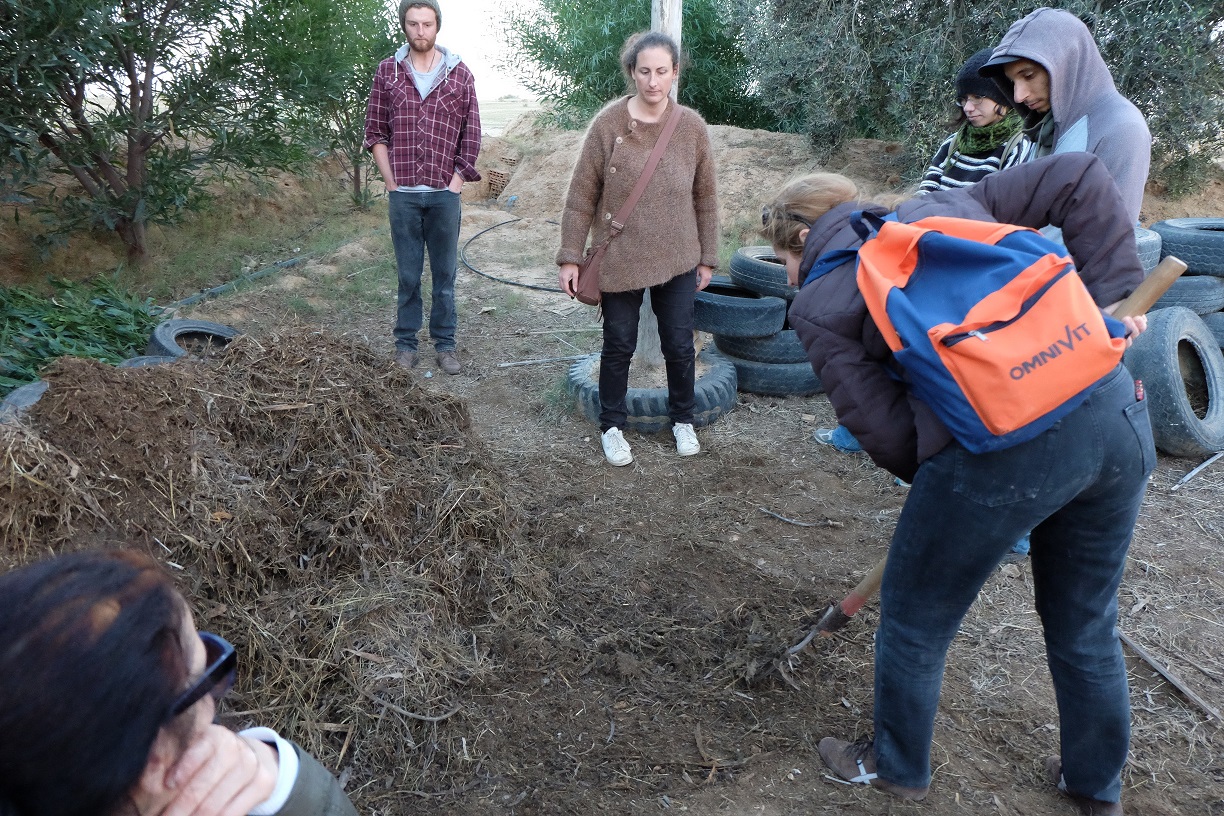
pixel 670 240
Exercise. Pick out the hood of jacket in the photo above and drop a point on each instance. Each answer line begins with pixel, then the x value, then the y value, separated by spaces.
pixel 1059 42
pixel 451 59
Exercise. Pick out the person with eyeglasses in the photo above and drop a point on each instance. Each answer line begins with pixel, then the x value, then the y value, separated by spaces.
pixel 988 136
pixel 107 699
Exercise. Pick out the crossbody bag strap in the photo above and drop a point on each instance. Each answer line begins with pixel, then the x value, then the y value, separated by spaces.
pixel 622 215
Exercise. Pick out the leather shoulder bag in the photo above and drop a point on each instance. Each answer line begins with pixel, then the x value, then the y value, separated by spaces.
pixel 587 288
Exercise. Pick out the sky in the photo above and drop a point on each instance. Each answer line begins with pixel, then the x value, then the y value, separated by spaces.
pixel 468 26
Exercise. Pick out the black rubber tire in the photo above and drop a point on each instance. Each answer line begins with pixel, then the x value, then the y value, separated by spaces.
pixel 776 379
pixel 731 310
pixel 168 337
pixel 714 393
pixel 21 398
pixel 1149 245
pixel 757 269
pixel 1197 241
pixel 1215 324
pixel 1182 369
pixel 1201 294
pixel 783 347
pixel 146 360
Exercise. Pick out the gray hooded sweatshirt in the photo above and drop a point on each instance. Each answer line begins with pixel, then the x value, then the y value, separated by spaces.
pixel 1086 111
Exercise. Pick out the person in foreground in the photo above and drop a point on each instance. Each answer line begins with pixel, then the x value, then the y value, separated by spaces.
pixel 670 245
pixel 107 698
pixel 1077 486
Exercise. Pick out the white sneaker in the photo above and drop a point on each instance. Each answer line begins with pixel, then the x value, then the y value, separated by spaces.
pixel 686 439
pixel 616 449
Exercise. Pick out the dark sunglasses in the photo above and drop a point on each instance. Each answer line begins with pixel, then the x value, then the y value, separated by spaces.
pixel 766 211
pixel 218 677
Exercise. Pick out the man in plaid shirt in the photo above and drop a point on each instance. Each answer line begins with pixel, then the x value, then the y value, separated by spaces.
pixel 423 127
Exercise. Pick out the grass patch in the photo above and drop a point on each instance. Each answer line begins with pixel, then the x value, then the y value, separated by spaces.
pixel 556 402
pixel 739 231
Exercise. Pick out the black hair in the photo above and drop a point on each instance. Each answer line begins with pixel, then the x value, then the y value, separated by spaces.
pixel 91 660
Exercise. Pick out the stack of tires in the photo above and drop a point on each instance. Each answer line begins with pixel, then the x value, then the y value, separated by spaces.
pixel 746 314
pixel 1179 358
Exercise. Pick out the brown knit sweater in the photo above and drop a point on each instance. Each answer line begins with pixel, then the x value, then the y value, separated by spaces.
pixel 674 226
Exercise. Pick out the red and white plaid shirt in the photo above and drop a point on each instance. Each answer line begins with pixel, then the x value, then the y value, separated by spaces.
pixel 428 140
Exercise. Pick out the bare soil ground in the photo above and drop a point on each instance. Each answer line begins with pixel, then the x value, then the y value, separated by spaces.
pixel 624 688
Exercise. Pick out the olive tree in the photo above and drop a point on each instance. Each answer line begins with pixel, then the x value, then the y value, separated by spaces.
pixel 327 51
pixel 139 103
pixel 567 53
pixel 837 70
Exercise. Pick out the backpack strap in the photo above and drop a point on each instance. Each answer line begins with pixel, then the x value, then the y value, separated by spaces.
pixel 866 224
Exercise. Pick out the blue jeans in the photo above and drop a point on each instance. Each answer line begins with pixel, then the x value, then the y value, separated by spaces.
pixel 1078 487
pixel 420 221
pixel 673 305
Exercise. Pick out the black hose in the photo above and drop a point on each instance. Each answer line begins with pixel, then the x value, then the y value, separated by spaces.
pixel 463 257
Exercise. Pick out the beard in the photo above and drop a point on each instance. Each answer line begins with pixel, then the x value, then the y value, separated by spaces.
pixel 422 45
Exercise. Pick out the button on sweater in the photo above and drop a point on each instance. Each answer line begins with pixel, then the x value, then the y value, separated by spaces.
pixel 674 226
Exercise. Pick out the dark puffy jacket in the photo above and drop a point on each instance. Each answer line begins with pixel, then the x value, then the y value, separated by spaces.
pixel 1073 191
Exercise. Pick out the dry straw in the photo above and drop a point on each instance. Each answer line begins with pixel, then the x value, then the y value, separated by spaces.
pixel 324 511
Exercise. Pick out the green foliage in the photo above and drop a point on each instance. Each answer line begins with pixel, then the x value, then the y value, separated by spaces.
pixel 141 103
pixel 1168 58
pixel 96 320
pixel 840 70
pixel 326 51
pixel 567 52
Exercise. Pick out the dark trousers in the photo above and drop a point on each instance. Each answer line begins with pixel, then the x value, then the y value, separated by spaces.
pixel 425 221
pixel 1078 487
pixel 672 303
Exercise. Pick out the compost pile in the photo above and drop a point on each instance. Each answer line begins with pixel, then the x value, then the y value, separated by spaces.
pixel 324 511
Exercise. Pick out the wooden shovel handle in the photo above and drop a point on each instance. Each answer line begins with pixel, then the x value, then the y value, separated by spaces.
pixel 1154 285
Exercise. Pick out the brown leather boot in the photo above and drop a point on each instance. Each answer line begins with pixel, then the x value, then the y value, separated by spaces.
pixel 448 361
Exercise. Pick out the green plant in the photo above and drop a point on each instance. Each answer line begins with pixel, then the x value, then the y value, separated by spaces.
pixel 895 64
pixel 567 52
pixel 97 320
pixel 142 105
pixel 556 402
pixel 342 42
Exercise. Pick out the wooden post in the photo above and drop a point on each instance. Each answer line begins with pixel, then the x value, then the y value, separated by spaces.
pixel 665 16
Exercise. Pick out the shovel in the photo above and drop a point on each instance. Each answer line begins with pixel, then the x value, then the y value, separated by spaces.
pixel 839 614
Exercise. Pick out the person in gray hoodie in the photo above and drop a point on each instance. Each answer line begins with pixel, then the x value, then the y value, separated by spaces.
pixel 1050 66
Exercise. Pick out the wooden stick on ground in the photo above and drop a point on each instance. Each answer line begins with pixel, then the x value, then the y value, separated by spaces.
pixel 1173 679
pixel 1199 470
pixel 543 360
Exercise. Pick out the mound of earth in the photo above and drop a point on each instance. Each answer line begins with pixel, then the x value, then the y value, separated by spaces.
pixel 334 519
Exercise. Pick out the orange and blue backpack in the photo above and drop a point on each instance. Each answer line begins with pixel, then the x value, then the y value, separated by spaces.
pixel 990 323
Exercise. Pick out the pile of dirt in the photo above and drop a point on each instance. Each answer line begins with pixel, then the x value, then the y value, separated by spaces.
pixel 332 517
